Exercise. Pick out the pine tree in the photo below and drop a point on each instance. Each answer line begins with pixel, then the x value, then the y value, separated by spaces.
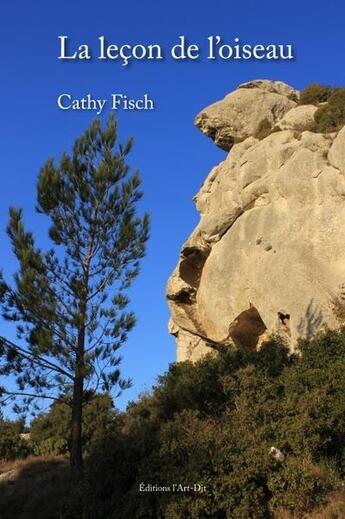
pixel 70 303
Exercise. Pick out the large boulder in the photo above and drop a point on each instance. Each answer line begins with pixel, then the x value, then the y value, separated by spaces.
pixel 242 113
pixel 268 253
pixel 299 118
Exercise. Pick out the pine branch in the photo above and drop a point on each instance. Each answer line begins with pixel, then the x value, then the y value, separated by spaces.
pixel 36 359
pixel 30 395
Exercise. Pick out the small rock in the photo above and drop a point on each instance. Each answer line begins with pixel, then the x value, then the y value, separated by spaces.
pixel 277 454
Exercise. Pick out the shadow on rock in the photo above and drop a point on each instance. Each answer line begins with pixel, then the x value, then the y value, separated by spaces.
pixel 312 322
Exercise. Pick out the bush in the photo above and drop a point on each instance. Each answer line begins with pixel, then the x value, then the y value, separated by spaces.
pixel 330 116
pixel 213 424
pixel 12 446
pixel 50 431
pixel 315 94
pixel 300 485
pixel 313 406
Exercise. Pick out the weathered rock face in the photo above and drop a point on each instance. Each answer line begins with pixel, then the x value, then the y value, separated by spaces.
pixel 240 113
pixel 269 251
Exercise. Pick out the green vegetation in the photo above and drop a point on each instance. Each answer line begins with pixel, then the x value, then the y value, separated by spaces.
pixel 314 94
pixel 70 303
pixel 50 432
pixel 330 116
pixel 265 129
pixel 12 445
pixel 213 424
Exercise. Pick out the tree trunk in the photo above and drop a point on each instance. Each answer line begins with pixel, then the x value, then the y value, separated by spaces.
pixel 76 458
pixel 76 454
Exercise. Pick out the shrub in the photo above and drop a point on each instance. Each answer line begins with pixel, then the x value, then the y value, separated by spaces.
pixel 53 446
pixel 50 431
pixel 315 94
pixel 213 423
pixel 313 407
pixel 301 485
pixel 12 446
pixel 331 116
pixel 187 431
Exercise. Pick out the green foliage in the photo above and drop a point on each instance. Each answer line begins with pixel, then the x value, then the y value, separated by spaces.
pixel 314 389
pixel 50 432
pixel 265 129
pixel 70 302
pixel 213 423
pixel 12 446
pixel 50 447
pixel 314 94
pixel 330 116
pixel 301 485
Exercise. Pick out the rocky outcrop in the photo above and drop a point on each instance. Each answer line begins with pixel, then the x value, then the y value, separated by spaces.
pixel 240 114
pixel 300 118
pixel 268 253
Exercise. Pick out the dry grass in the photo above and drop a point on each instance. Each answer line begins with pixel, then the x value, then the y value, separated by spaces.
pixel 334 509
pixel 34 488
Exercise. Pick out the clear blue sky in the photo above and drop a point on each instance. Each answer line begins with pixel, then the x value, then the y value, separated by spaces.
pixel 174 158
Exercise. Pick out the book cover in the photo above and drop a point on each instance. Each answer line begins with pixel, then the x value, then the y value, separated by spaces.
pixel 172 260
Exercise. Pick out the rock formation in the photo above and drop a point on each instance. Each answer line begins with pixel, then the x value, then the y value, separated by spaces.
pixel 268 253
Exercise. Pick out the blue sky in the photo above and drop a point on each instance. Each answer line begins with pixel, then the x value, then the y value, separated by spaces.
pixel 173 157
